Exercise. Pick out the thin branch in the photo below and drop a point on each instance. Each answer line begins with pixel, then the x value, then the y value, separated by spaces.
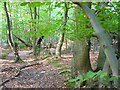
pixel 22 41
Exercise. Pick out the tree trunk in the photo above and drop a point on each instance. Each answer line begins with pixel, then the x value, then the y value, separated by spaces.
pixel 118 55
pixel 118 46
pixel 61 39
pixel 101 59
pixel 59 45
pixel 27 45
pixel 34 38
pixel 17 57
pixel 104 39
pixel 10 39
pixel 81 47
pixel 81 59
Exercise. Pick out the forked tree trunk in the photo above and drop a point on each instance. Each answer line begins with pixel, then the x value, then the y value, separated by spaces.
pixel 104 39
pixel 34 38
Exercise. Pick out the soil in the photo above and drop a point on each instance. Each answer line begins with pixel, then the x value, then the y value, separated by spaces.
pixel 44 75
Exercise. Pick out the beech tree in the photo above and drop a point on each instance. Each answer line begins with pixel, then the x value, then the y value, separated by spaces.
pixel 30 23
pixel 104 38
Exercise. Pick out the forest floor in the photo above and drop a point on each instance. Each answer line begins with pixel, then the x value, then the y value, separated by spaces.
pixel 35 74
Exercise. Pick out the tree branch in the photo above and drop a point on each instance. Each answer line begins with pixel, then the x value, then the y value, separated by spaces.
pixel 22 41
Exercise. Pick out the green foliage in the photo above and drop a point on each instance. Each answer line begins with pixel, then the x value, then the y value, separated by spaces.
pixel 33 4
pixel 24 3
pixel 108 16
pixel 78 26
pixel 51 18
pixel 90 78
pixel 21 46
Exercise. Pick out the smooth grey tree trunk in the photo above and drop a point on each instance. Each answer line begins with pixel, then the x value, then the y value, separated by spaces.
pixel 104 39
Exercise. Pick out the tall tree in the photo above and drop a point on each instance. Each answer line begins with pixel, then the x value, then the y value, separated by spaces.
pixel 81 47
pixel 10 39
pixel 62 34
pixel 104 39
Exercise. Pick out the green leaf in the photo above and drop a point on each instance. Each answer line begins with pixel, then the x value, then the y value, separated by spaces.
pixel 35 4
pixel 72 80
pixel 24 3
pixel 79 78
pixel 103 74
pixel 112 78
pixel 91 74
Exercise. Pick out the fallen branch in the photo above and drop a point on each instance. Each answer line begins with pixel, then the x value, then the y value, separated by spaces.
pixel 19 72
